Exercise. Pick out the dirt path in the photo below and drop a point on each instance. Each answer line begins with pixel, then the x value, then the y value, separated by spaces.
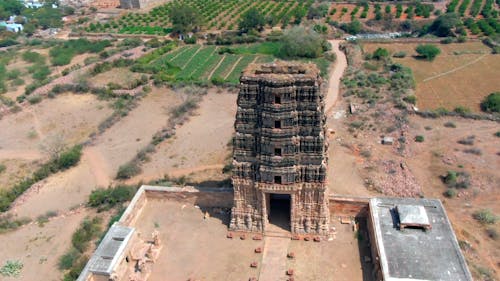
pixel 98 166
pixel 455 69
pixel 274 259
pixel 335 75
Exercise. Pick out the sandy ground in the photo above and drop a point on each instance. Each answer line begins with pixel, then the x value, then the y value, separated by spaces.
pixel 336 72
pixel 73 117
pixel 121 75
pixel 200 143
pixel 340 259
pixel 39 248
pixel 194 247
pixel 101 160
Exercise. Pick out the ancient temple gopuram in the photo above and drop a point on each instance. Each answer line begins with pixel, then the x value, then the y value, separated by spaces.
pixel 280 152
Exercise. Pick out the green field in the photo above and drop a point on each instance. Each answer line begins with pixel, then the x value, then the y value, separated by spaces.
pixel 209 63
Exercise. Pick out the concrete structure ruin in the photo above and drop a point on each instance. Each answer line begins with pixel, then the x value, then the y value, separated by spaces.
pixel 279 148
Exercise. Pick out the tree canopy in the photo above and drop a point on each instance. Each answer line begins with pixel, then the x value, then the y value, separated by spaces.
pixel 445 24
pixel 185 19
pixel 380 53
pixel 428 51
pixel 301 42
pixel 491 103
pixel 252 19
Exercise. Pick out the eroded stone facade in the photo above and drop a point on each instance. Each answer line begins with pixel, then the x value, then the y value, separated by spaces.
pixel 280 147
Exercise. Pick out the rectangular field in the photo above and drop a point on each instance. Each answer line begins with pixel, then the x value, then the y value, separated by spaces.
pixel 462 75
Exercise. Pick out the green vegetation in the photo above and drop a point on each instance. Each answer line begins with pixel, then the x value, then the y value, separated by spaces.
pixel 62 161
pixel 485 216
pixel 419 138
pixel 11 268
pixel 184 18
pixel 380 53
pixel 7 223
pixel 63 54
pixel 2 168
pixel 428 51
pixel 299 42
pixel 107 198
pixel 74 260
pixel 454 179
pixel 491 103
pixel 251 20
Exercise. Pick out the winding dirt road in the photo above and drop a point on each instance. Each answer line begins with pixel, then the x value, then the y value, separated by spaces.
pixel 336 73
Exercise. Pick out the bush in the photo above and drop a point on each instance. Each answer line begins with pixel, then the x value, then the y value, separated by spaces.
pixel 400 54
pixel 410 99
pixel 110 197
pixel 419 138
pixel 68 260
pixel 128 170
pixel 492 233
pixel 11 268
pixel 467 141
pixel 485 216
pixel 34 99
pixel 380 53
pixel 450 193
pixel 2 168
pixel 88 230
pixel 428 51
pixel 454 179
pixel 491 103
pixel 450 125
pixel 217 80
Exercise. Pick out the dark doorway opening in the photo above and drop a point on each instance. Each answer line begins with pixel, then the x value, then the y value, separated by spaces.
pixel 279 211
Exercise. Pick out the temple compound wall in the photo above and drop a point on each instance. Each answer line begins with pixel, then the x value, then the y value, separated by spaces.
pixel 280 147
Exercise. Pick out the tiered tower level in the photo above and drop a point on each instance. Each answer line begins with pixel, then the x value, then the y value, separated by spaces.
pixel 280 147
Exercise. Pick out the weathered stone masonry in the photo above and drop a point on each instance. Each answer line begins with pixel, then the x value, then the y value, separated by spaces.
pixel 280 147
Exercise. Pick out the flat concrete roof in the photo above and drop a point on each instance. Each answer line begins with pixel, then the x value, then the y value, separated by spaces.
pixel 415 253
pixel 106 256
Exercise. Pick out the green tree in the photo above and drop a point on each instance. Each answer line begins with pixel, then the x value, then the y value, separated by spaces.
pixel 491 103
pixel 301 42
pixel 185 19
pixel 428 51
pixel 252 19
pixel 445 25
pixel 11 7
pixel 380 53
pixel 354 27
pixel 48 17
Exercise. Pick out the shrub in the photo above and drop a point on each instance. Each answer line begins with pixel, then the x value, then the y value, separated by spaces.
pixel 128 170
pixel 485 216
pixel 491 103
pixel 2 168
pixel 11 268
pixel 88 230
pixel 400 54
pixel 462 110
pixel 68 260
pixel 419 138
pixel 475 151
pixel 106 198
pixel 217 80
pixel 34 99
pixel 410 99
pixel 450 193
pixel 497 134
pixel 428 51
pixel 450 125
pixel 380 53
pixel 454 179
pixel 467 141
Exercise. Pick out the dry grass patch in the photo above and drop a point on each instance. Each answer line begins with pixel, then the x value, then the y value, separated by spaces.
pixel 462 75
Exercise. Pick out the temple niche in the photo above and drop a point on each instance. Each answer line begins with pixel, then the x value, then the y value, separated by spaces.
pixel 280 152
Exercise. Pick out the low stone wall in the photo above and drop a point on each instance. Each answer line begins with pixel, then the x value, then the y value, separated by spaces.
pixel 203 197
pixel 348 206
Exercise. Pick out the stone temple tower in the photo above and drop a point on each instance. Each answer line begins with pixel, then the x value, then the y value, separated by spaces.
pixel 280 149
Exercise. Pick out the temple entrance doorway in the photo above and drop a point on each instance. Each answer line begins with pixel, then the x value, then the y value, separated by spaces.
pixel 279 209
